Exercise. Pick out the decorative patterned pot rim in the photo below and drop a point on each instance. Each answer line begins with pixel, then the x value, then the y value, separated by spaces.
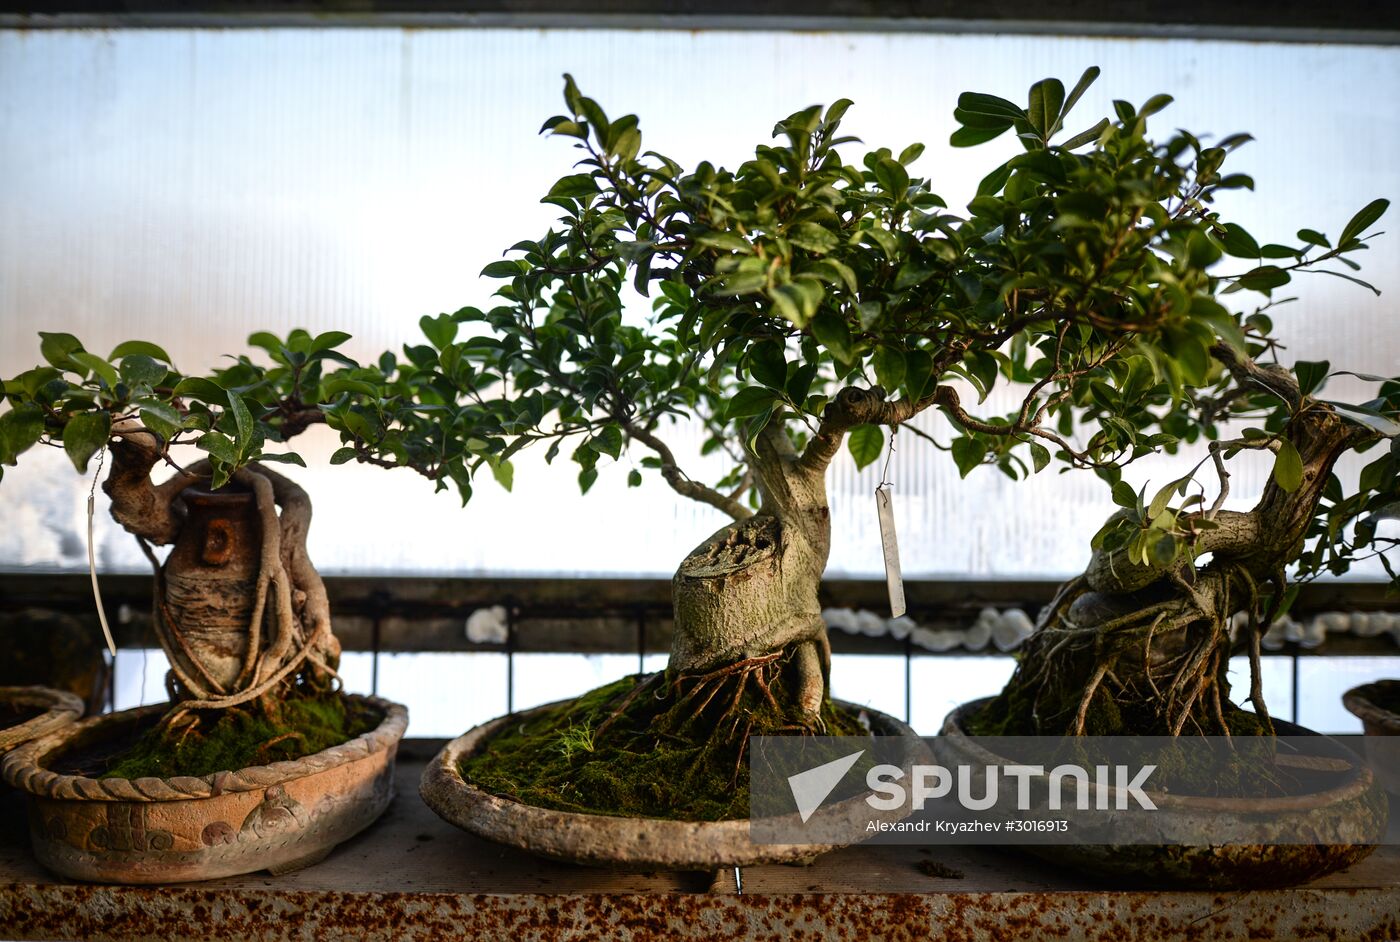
pixel 1359 780
pixel 23 768
pixel 601 839
pixel 1360 701
pixel 60 709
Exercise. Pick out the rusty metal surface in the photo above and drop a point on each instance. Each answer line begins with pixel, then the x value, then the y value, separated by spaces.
pixel 412 877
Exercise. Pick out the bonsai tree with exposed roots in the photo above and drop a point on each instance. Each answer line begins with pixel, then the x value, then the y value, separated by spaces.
pixel 1140 643
pixel 801 302
pixel 251 650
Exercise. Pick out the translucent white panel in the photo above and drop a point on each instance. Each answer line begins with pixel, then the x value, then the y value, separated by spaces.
pixel 446 694
pixel 544 678
pixel 191 186
pixel 1277 676
pixel 938 685
pixel 357 671
pixel 1323 680
pixel 139 677
pixel 873 680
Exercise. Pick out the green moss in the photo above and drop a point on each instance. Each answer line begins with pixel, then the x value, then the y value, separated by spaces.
pixel 304 723
pixel 656 759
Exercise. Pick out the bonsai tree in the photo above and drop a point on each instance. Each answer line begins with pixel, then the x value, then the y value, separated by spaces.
pixel 1140 642
pixel 251 649
pixel 801 302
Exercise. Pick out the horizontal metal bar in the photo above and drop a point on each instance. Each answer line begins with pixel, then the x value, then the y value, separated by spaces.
pixel 1345 21
pixel 601 615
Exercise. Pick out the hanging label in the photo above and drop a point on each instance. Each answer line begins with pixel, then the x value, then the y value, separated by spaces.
pixel 894 579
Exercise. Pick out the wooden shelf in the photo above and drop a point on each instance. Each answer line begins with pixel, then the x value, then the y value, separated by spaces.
pixel 411 876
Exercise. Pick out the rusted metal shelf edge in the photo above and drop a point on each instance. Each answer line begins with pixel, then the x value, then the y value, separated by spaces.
pixel 586 615
pixel 194 913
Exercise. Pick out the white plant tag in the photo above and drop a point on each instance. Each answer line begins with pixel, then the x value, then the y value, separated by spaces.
pixel 894 579
pixel 92 558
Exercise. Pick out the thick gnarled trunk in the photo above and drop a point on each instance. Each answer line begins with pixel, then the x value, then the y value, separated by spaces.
pixel 238 607
pixel 750 590
pixel 1136 648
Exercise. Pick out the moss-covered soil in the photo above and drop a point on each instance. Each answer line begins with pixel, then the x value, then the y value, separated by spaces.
pixel 303 724
pixel 663 754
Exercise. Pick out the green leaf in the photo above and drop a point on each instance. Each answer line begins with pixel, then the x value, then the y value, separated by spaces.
pixel 504 473
pixel 1124 495
pixel 766 363
pixel 501 269
pixel 1264 278
pixel 440 330
pixel 331 338
pixel 1369 418
pixel 1080 87
pixel 281 457
pixel 918 375
pixel 586 477
pixel 971 137
pixel 1311 374
pixel 968 454
pixel 1040 456
pixel 96 365
pixel 57 348
pixel 1086 136
pixel 634 478
pixel 219 445
pixel 202 390
pixel 1313 237
pixel 892 176
pixel 889 367
pixel 750 400
pixel 1369 213
pixel 343 455
pixel 1288 467
pixel 865 443
pixel 1238 242
pixel 84 434
pixel 20 429
pixel 1046 99
pixel 575 186
pixel 138 369
pixel 832 332
pixel 243 421
pixel 128 347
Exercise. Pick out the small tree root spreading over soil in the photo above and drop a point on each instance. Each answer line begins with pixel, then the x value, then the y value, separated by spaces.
pixel 665 745
pixel 304 723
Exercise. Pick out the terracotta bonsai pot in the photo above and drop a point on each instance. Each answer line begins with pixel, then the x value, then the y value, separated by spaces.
pixel 277 817
pixel 30 712
pixel 1334 826
pixel 1375 705
pixel 621 842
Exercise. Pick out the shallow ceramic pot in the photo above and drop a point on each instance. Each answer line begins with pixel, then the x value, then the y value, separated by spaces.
pixel 277 817
pixel 1336 826
pixel 1364 702
pixel 55 709
pixel 609 840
